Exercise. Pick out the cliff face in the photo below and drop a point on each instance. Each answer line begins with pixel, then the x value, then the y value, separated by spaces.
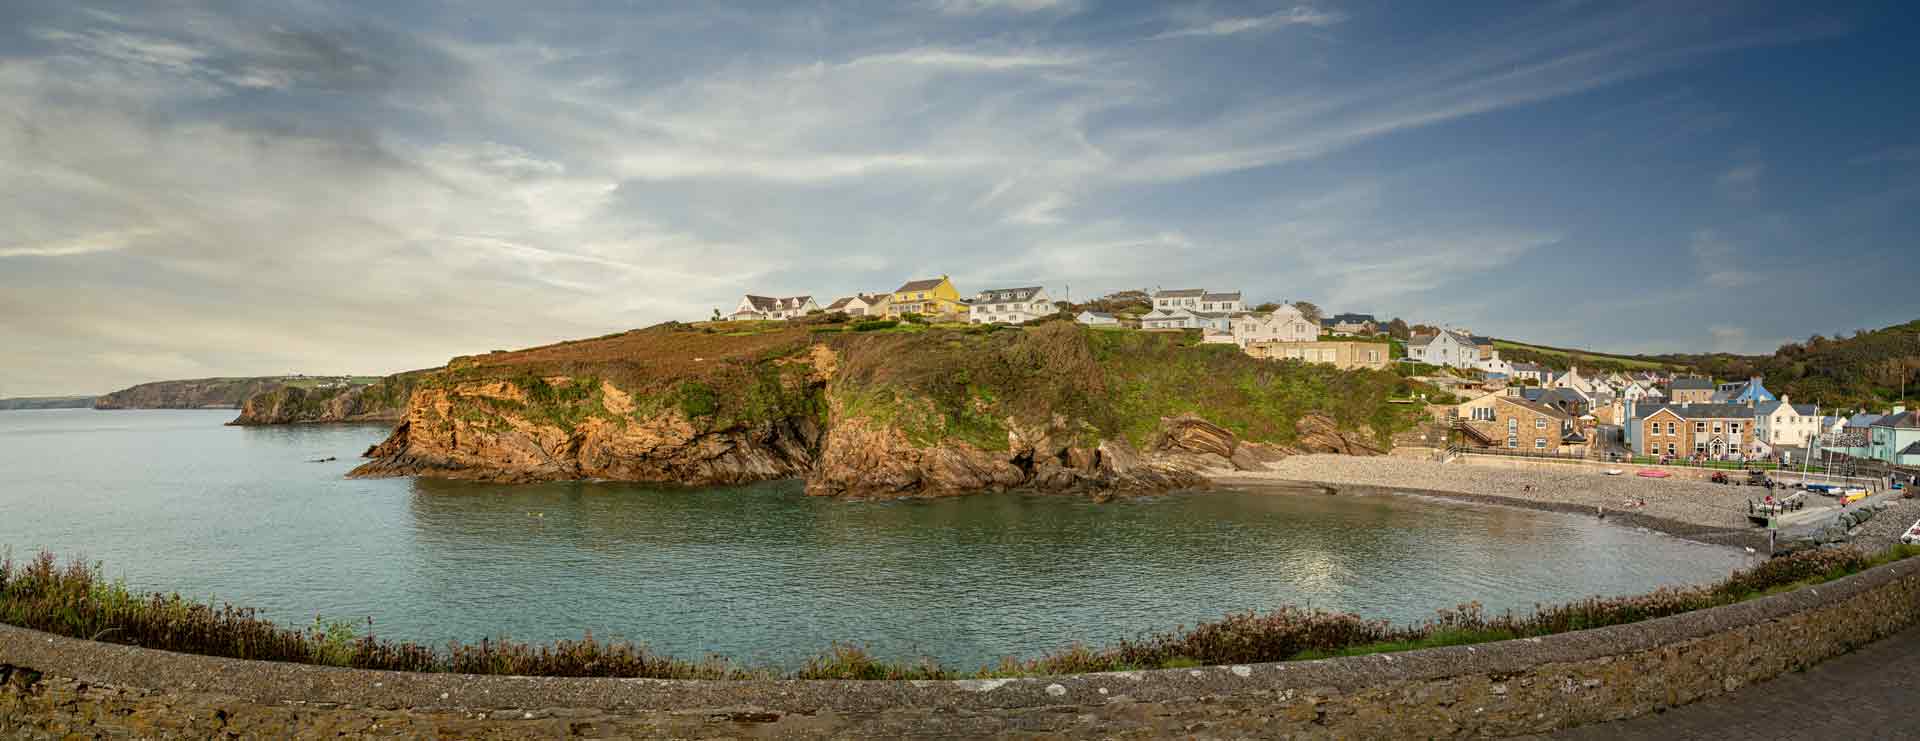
pixel 382 401
pixel 199 393
pixel 905 413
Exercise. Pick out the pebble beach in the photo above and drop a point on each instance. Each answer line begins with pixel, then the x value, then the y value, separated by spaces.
pixel 1697 510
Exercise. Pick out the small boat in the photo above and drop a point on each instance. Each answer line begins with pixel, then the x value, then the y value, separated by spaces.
pixel 1614 472
pixel 1652 474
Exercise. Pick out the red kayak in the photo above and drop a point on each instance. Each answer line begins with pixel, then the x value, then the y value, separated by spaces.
pixel 1652 474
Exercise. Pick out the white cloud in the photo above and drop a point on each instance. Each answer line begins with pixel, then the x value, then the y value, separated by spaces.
pixel 1298 16
pixel 975 7
pixel 112 241
pixel 1719 260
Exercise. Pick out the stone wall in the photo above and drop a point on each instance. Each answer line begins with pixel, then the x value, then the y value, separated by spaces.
pixel 59 688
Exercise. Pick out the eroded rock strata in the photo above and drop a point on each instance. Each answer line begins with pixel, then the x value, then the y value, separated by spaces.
pixel 930 412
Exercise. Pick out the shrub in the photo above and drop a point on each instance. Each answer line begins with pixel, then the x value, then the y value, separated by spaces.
pixel 875 324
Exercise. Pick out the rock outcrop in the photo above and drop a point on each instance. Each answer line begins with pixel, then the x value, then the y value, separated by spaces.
pixel 854 416
pixel 382 401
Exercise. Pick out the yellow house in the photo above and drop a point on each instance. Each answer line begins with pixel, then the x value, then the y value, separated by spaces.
pixel 931 297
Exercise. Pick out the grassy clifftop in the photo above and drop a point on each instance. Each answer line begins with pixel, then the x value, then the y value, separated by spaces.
pixel 967 384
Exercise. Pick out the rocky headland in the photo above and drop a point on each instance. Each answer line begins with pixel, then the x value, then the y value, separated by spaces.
pixel 194 393
pixel 384 400
pixel 906 411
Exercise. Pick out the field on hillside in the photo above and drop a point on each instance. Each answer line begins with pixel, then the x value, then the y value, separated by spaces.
pixel 1517 352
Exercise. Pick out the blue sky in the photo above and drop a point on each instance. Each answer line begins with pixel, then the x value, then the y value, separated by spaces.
pixel 241 188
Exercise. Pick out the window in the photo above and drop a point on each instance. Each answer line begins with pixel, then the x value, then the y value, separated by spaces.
pixel 1716 428
pixel 1672 430
pixel 1699 428
pixel 1670 449
pixel 1539 423
pixel 1513 441
pixel 1539 443
pixel 1513 425
pixel 1733 428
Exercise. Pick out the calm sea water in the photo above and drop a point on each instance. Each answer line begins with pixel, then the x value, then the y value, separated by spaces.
pixel 172 500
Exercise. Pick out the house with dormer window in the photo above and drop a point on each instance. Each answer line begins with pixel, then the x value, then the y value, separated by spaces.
pixel 1011 306
pixel 767 307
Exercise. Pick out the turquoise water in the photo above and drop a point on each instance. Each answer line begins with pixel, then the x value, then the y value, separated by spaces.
pixel 172 500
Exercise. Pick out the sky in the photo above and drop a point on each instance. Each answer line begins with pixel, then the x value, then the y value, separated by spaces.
pixel 196 189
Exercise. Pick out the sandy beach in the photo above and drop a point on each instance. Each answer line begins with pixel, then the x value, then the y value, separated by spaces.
pixel 1712 513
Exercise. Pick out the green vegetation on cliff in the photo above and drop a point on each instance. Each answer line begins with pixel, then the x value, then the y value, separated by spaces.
pixel 1864 370
pixel 46 402
pixel 966 384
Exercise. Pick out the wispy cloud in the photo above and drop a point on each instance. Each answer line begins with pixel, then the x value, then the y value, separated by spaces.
pixel 976 7
pixel 1742 182
pixel 1297 16
pixel 1718 260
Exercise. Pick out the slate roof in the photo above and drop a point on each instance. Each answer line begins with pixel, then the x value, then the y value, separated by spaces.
pixel 1228 296
pixel 1767 408
pixel 1097 314
pixel 1011 294
pixel 1692 383
pixel 1704 411
pixel 1913 449
pixel 1478 340
pixel 1181 293
pixel 1353 319
pixel 1537 407
pixel 1529 368
pixel 1902 421
pixel 769 303
pixel 920 285
pixel 1863 419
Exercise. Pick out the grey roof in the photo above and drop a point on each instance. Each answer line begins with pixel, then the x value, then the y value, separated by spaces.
pixel 1692 383
pixel 1097 314
pixel 1704 411
pixel 1181 293
pixel 1228 296
pixel 1012 294
pixel 1863 419
pixel 768 303
pixel 1913 449
pixel 1529 368
pixel 1478 340
pixel 1353 319
pixel 1767 408
pixel 920 285
pixel 1903 421
pixel 1550 411
pixel 1422 339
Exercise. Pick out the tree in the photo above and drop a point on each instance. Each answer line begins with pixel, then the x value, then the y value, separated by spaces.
pixel 1266 308
pixel 1398 329
pixel 1311 311
pixel 1423 329
pixel 716 315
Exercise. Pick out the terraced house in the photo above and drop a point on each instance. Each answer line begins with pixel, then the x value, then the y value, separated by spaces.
pixel 934 297
pixel 1712 431
pixel 861 304
pixel 1011 305
pixel 1193 308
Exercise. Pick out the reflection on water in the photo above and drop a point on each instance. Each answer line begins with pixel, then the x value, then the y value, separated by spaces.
pixel 173 500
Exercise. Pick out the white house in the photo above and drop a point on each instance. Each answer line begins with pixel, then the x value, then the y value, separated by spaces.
pixel 1493 365
pixel 1211 336
pixel 860 304
pixel 1010 306
pixel 1351 324
pixel 1097 319
pixel 1199 300
pixel 1446 348
pixel 1285 324
pixel 766 307
pixel 1783 423
pixel 1573 380
pixel 1523 371
pixel 1179 318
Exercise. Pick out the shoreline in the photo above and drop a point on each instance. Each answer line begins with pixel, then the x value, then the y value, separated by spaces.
pixel 1703 534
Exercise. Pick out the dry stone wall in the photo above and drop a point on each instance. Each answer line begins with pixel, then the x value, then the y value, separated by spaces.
pixel 53 687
